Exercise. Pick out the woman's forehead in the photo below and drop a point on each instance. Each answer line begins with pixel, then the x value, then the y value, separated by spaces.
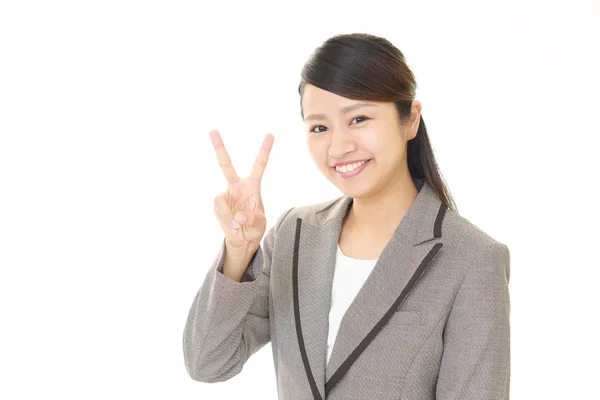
pixel 321 104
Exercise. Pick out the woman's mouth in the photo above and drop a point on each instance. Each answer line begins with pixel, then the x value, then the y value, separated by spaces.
pixel 351 170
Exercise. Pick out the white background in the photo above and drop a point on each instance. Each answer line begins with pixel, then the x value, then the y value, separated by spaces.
pixel 107 172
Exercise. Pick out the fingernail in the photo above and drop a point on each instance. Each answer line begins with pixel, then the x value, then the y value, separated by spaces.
pixel 234 225
pixel 241 218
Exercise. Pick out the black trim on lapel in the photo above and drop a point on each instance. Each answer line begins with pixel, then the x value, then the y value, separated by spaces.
pixel 437 226
pixel 309 374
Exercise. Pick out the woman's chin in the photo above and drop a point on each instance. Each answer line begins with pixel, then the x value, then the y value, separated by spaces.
pixel 353 191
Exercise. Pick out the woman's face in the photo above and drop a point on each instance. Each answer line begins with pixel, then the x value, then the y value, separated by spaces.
pixel 342 130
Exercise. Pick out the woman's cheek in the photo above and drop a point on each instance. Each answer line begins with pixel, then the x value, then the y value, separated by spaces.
pixel 371 141
pixel 317 151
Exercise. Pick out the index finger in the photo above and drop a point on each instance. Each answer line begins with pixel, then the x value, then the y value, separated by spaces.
pixel 223 157
pixel 263 156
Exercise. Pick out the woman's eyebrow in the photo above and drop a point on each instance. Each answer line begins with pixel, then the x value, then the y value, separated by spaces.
pixel 343 111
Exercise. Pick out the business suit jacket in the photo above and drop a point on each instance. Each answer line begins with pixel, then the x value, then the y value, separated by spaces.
pixel 430 322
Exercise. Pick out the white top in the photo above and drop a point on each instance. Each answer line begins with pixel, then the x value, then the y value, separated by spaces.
pixel 349 276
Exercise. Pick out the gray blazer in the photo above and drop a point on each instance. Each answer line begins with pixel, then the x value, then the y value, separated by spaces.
pixel 431 321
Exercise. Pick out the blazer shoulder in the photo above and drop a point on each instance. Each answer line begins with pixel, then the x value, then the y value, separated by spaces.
pixel 475 247
pixel 305 212
pixel 456 228
pixel 309 211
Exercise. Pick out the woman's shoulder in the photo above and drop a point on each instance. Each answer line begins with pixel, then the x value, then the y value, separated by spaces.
pixel 470 243
pixel 317 211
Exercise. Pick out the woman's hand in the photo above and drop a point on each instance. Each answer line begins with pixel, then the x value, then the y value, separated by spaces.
pixel 240 208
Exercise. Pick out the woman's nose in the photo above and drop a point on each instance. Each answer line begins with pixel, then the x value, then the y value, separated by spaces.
pixel 341 144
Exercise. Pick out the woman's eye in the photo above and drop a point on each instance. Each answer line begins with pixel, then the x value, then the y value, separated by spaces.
pixel 318 126
pixel 363 119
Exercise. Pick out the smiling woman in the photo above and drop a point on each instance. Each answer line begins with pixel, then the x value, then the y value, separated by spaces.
pixel 386 292
pixel 366 110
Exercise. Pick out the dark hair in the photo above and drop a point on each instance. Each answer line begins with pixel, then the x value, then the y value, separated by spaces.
pixel 362 66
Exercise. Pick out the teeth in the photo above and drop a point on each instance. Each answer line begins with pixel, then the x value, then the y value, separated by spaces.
pixel 349 167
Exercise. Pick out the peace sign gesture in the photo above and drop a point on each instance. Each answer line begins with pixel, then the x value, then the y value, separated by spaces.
pixel 240 208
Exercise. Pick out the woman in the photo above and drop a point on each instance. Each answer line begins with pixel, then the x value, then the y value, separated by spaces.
pixel 384 293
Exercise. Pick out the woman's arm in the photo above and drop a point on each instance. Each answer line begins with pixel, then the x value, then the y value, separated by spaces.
pixel 476 358
pixel 229 320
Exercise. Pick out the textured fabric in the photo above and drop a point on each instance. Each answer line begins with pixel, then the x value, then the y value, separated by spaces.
pixel 349 276
pixel 448 339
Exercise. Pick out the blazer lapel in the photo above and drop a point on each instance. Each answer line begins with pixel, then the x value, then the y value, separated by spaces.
pixel 315 255
pixel 403 260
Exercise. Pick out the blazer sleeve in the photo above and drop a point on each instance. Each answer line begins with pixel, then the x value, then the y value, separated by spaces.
pixel 476 357
pixel 229 320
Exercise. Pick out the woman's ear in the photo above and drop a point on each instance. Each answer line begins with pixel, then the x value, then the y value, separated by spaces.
pixel 415 119
pixel 415 113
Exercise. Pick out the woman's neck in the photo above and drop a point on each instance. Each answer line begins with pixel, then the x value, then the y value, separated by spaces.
pixel 383 212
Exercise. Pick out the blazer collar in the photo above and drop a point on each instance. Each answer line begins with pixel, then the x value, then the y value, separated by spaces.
pixel 414 244
pixel 417 226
